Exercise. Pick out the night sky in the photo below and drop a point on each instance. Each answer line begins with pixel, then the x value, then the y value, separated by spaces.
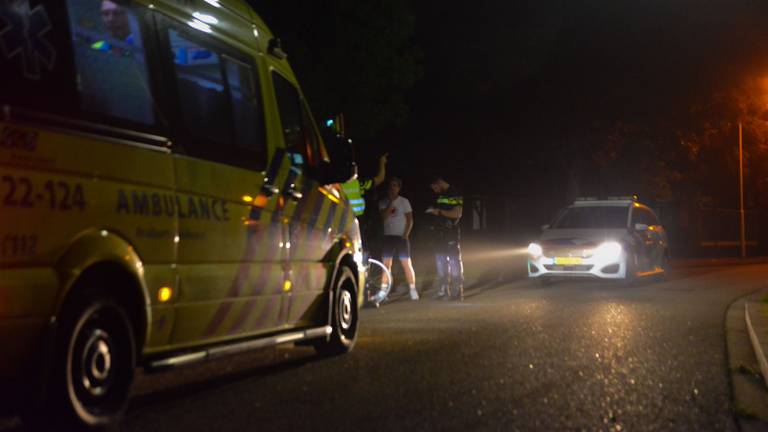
pixel 503 79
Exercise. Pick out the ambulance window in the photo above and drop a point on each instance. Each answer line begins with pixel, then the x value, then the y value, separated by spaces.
pixel 248 116
pixel 289 106
pixel 300 137
pixel 218 99
pixel 202 97
pixel 110 59
pixel 312 137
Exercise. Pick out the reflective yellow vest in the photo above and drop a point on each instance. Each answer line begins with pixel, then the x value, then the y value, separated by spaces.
pixel 354 191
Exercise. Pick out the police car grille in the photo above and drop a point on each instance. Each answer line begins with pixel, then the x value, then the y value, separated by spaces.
pixel 568 268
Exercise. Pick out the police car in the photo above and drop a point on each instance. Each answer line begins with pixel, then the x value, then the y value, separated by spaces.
pixel 165 198
pixel 618 238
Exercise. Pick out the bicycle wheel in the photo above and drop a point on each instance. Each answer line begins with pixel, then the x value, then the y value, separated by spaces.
pixel 378 282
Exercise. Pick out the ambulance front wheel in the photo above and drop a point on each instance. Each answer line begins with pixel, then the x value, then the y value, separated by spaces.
pixel 93 365
pixel 344 316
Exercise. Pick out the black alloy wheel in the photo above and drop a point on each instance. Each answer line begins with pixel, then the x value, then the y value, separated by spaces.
pixel 92 367
pixel 344 316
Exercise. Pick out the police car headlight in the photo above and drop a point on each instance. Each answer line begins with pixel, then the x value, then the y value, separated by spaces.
pixel 608 251
pixel 535 250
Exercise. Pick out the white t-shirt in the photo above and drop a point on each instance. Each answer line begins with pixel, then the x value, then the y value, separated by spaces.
pixel 394 223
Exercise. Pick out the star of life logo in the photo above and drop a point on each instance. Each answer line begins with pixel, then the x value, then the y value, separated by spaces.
pixel 23 36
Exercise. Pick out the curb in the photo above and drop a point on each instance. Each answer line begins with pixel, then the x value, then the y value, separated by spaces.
pixel 717 262
pixel 757 345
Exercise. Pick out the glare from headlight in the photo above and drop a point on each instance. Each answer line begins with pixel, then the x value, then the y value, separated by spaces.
pixel 608 251
pixel 535 250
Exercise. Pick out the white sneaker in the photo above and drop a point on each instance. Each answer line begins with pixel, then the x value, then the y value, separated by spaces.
pixel 379 297
pixel 414 294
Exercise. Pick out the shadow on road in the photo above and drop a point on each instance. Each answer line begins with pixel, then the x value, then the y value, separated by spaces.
pixel 161 387
pixel 187 381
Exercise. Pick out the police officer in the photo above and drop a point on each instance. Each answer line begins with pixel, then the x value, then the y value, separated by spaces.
pixel 354 189
pixel 446 213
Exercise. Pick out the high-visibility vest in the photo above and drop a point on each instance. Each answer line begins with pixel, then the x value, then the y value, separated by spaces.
pixel 354 191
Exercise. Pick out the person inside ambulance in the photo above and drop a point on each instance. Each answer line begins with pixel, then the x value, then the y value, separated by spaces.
pixel 116 22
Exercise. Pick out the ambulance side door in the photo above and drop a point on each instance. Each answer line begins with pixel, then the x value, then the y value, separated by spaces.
pixel 230 237
pixel 314 211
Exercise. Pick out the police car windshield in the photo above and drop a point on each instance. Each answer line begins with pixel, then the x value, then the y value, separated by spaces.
pixel 593 217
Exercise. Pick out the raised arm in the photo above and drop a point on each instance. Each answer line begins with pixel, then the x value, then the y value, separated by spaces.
pixel 382 174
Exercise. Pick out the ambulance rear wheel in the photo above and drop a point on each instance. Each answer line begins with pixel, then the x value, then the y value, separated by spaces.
pixel 344 316
pixel 93 365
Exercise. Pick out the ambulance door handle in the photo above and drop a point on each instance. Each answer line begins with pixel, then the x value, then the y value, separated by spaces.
pixel 294 194
pixel 270 189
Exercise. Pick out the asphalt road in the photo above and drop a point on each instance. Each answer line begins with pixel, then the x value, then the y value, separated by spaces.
pixel 513 356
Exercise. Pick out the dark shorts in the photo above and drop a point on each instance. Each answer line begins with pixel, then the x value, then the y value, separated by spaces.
pixel 392 246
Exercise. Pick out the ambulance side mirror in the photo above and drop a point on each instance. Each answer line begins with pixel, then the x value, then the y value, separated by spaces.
pixel 341 166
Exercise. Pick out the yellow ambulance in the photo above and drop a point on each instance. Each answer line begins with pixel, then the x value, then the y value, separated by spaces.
pixel 165 198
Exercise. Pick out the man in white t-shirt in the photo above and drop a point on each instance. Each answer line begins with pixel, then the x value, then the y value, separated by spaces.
pixel 397 217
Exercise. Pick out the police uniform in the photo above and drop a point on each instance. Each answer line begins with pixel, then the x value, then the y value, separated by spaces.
pixel 354 190
pixel 446 240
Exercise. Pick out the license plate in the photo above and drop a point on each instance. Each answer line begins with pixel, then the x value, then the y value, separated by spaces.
pixel 568 261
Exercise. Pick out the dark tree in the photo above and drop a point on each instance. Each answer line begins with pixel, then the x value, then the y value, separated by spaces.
pixel 352 57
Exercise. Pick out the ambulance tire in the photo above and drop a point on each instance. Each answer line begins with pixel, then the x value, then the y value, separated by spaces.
pixel 344 316
pixel 93 363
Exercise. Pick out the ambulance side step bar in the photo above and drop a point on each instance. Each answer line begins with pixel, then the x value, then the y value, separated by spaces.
pixel 237 347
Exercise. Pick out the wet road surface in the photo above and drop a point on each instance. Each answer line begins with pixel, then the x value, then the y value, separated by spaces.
pixel 514 356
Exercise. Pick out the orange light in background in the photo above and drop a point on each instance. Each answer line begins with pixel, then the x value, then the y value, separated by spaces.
pixel 764 85
pixel 347 244
pixel 287 285
pixel 164 294
pixel 261 201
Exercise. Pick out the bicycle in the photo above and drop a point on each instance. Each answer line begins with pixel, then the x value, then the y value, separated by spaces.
pixel 378 282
